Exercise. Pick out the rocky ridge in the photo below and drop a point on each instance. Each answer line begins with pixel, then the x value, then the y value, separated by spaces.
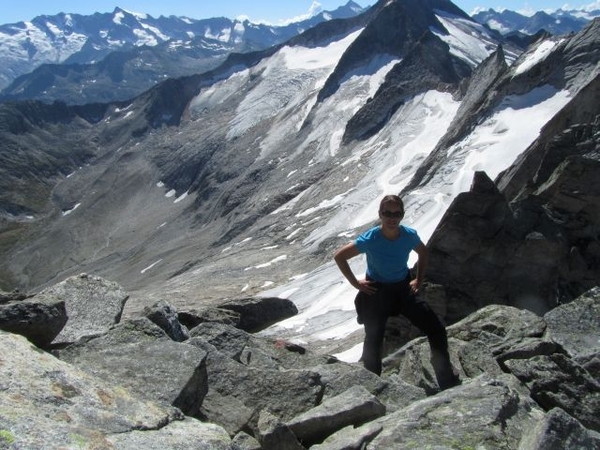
pixel 528 382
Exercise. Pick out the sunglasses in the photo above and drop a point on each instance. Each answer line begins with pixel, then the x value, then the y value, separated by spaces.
pixel 390 214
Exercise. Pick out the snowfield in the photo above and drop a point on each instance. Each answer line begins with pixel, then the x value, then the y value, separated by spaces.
pixel 323 297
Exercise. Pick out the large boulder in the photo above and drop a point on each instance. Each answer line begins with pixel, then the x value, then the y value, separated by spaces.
pixel 481 247
pixel 556 381
pixel 354 406
pixel 259 313
pixel 285 393
pixel 551 432
pixel 166 317
pixel 138 355
pixel 93 305
pixel 576 325
pixel 48 403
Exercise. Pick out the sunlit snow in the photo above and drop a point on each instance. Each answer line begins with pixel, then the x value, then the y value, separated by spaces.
pixel 269 263
pixel 467 40
pixel 69 211
pixel 323 297
pixel 305 70
pixel 540 53
pixel 150 266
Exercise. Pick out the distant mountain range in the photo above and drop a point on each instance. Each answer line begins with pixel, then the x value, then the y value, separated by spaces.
pixel 558 22
pixel 115 56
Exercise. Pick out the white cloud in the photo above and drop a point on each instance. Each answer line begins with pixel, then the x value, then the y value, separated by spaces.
pixel 314 9
pixel 592 6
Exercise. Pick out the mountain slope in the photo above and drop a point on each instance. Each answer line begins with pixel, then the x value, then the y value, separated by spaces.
pixel 247 177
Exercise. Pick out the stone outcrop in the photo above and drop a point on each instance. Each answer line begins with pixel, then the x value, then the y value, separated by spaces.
pixel 529 382
pixel 165 316
pixel 15 295
pixel 45 402
pixel 139 356
pixel 93 306
pixel 525 254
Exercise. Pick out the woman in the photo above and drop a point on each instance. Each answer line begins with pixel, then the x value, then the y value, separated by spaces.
pixel 388 290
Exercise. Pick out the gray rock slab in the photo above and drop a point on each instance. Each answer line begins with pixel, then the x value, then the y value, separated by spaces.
pixel 166 317
pixel 188 434
pixel 486 412
pixel 355 406
pixel 394 394
pixel 557 381
pixel 93 305
pixel 137 354
pixel 559 430
pixel 285 393
pixel 576 325
pixel 48 403
pixel 275 434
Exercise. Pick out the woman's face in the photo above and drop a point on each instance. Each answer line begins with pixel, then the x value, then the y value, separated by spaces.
pixel 391 214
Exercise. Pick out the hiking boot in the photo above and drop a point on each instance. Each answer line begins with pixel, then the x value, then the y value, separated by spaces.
pixel 450 381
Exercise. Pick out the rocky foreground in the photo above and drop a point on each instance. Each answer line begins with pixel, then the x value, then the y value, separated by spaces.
pixel 73 375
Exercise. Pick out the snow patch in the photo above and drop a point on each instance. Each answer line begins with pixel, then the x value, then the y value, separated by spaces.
pixel 143 271
pixel 323 297
pixel 270 263
pixel 468 40
pixel 69 211
pixel 538 55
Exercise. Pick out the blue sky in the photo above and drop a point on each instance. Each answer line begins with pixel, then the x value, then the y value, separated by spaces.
pixel 273 11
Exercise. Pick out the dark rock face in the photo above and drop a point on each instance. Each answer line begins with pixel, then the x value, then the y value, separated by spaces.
pixel 529 243
pixel 40 321
pixel 478 257
pixel 394 29
pixel 428 65
pixel 166 317
pixel 256 314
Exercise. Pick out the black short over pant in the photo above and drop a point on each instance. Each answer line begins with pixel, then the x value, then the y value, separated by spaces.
pixel 391 300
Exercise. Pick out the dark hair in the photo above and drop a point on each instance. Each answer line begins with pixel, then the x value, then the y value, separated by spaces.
pixel 391 199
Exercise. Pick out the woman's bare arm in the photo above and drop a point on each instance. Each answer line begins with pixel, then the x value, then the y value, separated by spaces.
pixel 341 258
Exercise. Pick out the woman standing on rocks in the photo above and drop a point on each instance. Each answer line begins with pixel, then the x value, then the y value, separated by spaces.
pixel 387 290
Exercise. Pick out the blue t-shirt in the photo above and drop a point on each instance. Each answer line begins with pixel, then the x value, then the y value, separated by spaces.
pixel 387 260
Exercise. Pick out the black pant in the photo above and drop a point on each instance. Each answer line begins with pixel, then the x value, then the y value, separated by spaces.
pixel 393 299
